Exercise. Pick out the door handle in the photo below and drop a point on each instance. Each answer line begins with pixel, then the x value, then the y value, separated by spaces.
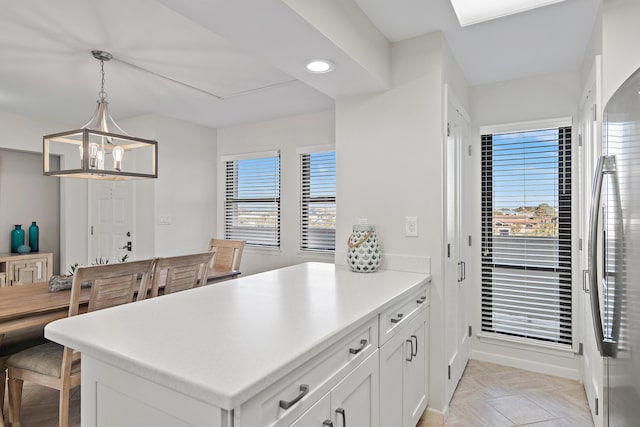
pixel 128 247
pixel 464 271
pixel 410 358
pixel 342 413
pixel 415 338
pixel 585 280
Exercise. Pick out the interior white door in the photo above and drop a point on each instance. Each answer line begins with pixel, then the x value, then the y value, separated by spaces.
pixel 592 363
pixel 111 222
pixel 457 250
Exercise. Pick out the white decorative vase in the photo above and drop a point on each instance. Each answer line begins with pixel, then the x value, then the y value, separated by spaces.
pixel 364 254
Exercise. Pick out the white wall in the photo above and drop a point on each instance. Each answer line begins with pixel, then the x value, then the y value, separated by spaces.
pixel 25 134
pixel 389 154
pixel 185 189
pixel 620 41
pixel 27 195
pixel 534 98
pixel 285 135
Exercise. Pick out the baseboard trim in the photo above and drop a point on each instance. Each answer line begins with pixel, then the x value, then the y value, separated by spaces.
pixel 528 365
pixel 435 417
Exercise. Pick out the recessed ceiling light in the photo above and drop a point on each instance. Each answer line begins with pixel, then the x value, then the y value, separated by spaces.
pixel 471 12
pixel 320 66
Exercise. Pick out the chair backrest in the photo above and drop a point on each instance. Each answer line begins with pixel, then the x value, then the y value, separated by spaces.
pixel 227 254
pixel 180 272
pixel 112 284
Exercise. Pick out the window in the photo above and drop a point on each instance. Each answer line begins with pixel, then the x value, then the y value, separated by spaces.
pixel 526 234
pixel 318 201
pixel 252 199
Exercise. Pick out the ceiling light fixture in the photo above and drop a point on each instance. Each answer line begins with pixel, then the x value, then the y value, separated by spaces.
pixel 320 66
pixel 83 153
pixel 471 12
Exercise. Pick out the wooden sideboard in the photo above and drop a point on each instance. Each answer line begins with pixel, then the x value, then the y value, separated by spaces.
pixel 23 269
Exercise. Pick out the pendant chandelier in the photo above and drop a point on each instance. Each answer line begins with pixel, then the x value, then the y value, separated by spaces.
pixel 100 149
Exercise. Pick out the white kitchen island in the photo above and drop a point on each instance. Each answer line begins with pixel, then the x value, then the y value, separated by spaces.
pixel 293 346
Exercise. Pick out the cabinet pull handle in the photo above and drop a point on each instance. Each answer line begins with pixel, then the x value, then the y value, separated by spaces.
pixel 410 358
pixel 328 423
pixel 344 416
pixel 394 320
pixel 421 300
pixel 416 338
pixel 363 344
pixel 304 389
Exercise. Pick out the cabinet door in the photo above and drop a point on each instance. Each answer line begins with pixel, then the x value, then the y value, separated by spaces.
pixel 355 400
pixel 415 371
pixel 392 355
pixel 316 415
pixel 28 271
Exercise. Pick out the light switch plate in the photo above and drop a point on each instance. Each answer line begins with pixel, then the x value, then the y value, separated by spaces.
pixel 411 226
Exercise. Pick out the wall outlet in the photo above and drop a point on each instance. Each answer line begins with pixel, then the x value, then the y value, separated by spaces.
pixel 362 221
pixel 164 219
pixel 411 226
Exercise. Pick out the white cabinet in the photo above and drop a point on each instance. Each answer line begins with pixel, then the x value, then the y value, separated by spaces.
pixel 352 402
pixel 403 374
pixel 24 269
pixel 318 415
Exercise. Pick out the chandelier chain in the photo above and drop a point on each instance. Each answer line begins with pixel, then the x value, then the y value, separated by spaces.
pixel 102 94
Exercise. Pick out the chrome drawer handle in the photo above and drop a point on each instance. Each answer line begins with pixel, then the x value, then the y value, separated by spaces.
pixel 421 300
pixel 304 389
pixel 363 344
pixel 394 320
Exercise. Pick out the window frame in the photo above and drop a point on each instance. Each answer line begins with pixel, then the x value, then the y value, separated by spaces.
pixel 305 199
pixel 565 232
pixel 230 187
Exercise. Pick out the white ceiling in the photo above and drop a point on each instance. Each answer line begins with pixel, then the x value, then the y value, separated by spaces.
pixel 251 53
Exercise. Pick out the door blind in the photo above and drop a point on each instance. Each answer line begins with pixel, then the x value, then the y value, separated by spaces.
pixel 252 201
pixel 318 201
pixel 526 234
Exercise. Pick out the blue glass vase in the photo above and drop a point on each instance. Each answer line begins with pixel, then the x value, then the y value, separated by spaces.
pixel 17 238
pixel 34 236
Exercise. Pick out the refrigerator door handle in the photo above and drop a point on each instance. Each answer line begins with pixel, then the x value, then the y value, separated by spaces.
pixel 606 165
pixel 594 217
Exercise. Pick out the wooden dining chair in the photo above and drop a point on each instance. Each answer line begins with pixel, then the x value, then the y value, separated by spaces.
pixel 55 366
pixel 227 254
pixel 180 272
pixel 13 343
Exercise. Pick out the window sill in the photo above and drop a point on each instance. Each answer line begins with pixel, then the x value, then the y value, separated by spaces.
pixel 561 350
pixel 262 250
pixel 330 256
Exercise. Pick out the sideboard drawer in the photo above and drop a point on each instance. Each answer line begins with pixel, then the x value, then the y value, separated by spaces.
pixel 305 385
pixel 401 313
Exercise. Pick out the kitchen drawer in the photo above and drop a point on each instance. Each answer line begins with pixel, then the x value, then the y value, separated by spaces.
pixel 317 375
pixel 400 313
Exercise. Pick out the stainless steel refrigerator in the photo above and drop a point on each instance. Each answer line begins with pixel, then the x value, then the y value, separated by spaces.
pixel 615 255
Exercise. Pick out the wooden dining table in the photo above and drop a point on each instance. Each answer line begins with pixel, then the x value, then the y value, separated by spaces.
pixel 27 306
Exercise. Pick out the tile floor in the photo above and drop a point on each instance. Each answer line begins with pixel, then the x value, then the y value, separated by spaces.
pixel 488 395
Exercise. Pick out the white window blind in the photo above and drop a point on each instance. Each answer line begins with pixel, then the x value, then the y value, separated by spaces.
pixel 526 234
pixel 252 200
pixel 318 201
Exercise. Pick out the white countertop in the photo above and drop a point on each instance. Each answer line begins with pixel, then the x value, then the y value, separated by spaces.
pixel 226 342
